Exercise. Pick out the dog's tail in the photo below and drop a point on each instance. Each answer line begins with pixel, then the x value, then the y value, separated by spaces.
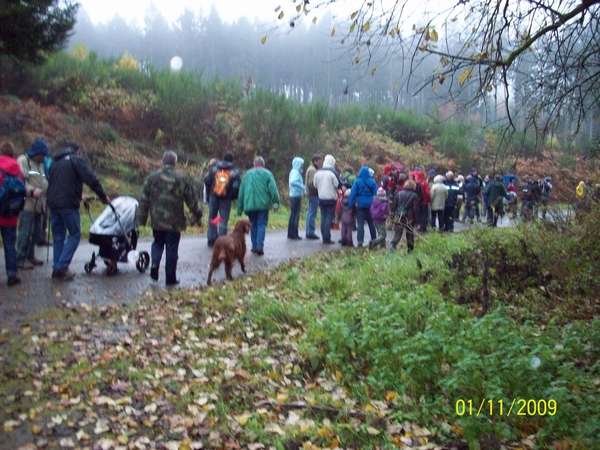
pixel 226 251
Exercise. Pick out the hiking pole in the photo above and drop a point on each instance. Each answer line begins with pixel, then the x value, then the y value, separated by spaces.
pixel 31 228
pixel 47 220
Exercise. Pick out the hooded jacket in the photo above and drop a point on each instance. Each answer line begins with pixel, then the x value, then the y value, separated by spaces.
pixel 11 167
pixel 327 182
pixel 471 189
pixel 35 177
pixel 439 194
pixel 67 174
pixel 363 190
pixel 379 209
pixel 297 188
pixel 421 181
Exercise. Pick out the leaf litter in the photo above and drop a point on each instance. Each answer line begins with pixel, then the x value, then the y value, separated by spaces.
pixel 184 370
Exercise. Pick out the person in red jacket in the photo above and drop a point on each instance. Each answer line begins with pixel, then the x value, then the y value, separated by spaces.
pixel 8 225
pixel 424 214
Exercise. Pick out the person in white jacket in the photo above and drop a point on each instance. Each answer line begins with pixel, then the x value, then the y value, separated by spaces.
pixel 327 183
pixel 439 194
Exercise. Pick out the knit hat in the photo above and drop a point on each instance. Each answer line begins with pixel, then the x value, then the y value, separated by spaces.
pixel 39 147
pixel 371 172
pixel 381 192
pixel 417 168
pixel 431 172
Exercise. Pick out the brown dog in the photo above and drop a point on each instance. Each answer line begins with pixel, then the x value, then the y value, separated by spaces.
pixel 229 248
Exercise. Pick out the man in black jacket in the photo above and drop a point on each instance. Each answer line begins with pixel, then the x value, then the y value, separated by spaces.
pixel 220 198
pixel 67 174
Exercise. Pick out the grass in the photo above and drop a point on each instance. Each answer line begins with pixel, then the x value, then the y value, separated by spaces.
pixel 351 349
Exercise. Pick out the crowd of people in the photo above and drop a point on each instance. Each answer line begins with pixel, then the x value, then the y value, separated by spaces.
pixel 405 201
pixel 52 189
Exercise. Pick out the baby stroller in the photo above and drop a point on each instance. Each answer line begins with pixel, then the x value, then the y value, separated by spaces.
pixel 115 232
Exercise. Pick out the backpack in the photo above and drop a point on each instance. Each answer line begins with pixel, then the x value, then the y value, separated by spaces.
pixel 546 188
pixel 401 214
pixel 222 178
pixel 12 195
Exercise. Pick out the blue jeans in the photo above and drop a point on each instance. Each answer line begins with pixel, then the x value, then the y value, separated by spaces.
pixel 295 207
pixel 259 220
pixel 327 213
pixel 362 215
pixel 63 220
pixel 29 233
pixel 170 241
pixel 9 239
pixel 311 215
pixel 221 207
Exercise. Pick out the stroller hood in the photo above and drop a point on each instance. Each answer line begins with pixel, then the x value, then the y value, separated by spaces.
pixel 107 224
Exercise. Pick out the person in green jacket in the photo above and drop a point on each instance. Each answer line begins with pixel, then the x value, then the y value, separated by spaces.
pixel 258 194
pixel 495 191
pixel 163 195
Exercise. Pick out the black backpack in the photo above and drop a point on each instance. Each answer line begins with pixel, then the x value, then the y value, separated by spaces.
pixel 12 195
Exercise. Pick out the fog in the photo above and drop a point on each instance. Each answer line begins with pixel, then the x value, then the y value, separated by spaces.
pixel 135 10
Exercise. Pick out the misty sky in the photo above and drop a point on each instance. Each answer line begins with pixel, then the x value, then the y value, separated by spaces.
pixel 229 10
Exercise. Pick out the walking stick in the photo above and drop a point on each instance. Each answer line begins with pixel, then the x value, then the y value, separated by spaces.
pixel 47 220
pixel 31 228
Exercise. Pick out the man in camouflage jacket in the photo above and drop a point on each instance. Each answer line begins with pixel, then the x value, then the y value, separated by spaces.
pixel 163 195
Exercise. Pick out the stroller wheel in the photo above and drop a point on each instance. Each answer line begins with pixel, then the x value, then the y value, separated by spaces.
pixel 88 267
pixel 143 261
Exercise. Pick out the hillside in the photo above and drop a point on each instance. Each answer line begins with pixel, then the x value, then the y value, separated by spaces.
pixel 123 162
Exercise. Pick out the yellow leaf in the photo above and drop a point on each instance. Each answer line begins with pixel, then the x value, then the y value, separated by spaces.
pixel 433 36
pixel 263 40
pixel 373 70
pixel 366 27
pixel 352 27
pixel 325 432
pixel 465 75
pixel 373 431
pixel 280 16
pixel 333 31
pixel 314 19
pixel 282 398
pixel 353 15
pixel 36 429
pixel 490 88
pixel 298 7
pixel 243 419
pixel 395 85
pixel 390 396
